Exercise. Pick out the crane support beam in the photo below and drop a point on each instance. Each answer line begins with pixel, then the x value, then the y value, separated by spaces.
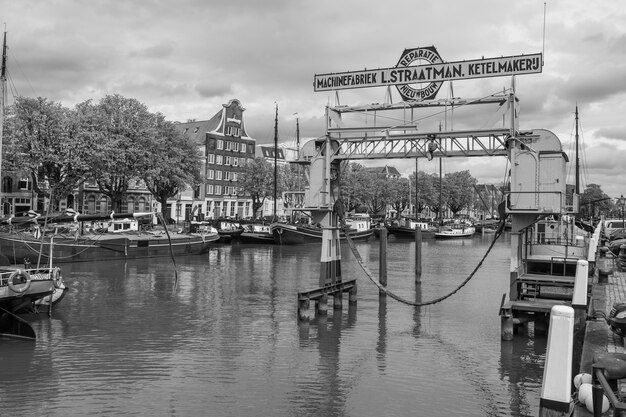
pixel 391 145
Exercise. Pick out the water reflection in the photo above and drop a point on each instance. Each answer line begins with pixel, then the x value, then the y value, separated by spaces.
pixel 228 342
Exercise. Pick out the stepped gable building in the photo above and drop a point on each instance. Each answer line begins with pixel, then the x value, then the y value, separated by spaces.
pixel 226 146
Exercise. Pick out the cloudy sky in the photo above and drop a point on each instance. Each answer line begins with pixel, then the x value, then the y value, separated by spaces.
pixel 186 58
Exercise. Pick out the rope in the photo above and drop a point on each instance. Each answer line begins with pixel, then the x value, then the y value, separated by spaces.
pixel 169 239
pixel 339 209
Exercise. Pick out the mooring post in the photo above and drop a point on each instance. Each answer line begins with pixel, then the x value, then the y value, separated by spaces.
pixel 352 295
pixel 382 268
pixel 579 298
pixel 556 388
pixel 321 305
pixel 418 255
pixel 337 300
pixel 303 307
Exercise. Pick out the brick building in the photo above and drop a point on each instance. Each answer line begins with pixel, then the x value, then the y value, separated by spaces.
pixel 225 146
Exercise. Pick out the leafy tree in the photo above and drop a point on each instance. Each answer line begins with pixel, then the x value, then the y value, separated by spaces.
pixel 292 177
pixel 427 191
pixel 398 194
pixel 45 142
pixel 174 163
pixel 594 202
pixel 121 130
pixel 459 190
pixel 257 181
pixel 354 185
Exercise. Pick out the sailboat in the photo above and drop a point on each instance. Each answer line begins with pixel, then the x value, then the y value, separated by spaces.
pixel 22 287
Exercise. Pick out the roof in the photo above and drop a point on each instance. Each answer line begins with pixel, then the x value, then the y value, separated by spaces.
pixel 196 130
pixel 386 170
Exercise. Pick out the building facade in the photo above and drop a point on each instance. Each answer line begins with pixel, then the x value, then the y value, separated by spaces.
pixel 226 147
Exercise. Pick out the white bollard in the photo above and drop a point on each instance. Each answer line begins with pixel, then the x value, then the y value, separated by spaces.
pixel 579 298
pixel 593 248
pixel 557 373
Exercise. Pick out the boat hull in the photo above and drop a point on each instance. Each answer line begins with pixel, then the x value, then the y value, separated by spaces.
pixel 297 235
pixel 17 248
pixel 401 232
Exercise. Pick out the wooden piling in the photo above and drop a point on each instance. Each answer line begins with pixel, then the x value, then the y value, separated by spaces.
pixel 321 305
pixel 418 255
pixel 352 296
pixel 382 267
pixel 337 300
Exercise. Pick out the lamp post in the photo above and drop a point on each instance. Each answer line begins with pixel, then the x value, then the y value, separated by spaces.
pixel 621 202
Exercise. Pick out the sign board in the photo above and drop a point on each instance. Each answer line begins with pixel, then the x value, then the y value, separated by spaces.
pixel 435 71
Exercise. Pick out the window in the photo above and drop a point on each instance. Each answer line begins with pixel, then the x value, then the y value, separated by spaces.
pixel 235 146
pixel 227 175
pixel 210 158
pixel 220 144
pixel 228 145
pixel 218 159
pixel 243 147
pixel 209 189
pixel 24 184
pixel 233 131
pixel 235 161
pixel 218 190
pixel 210 174
pixel 233 176
pixel 218 175
pixel 227 160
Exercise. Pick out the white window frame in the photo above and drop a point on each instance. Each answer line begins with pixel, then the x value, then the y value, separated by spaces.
pixel 218 159
pixel 210 158
pixel 220 144
pixel 218 175
pixel 210 174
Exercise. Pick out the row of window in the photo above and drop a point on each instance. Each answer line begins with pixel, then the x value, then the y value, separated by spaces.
pixel 225 160
pixel 228 145
pixel 221 175
pixel 221 190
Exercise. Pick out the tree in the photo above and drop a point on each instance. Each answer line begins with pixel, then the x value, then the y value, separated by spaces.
pixel 427 191
pixel 594 202
pixel 121 130
pixel 174 163
pixel 45 141
pixel 353 183
pixel 398 194
pixel 459 190
pixel 292 177
pixel 257 181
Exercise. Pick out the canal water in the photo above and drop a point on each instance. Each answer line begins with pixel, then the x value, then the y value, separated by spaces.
pixel 227 342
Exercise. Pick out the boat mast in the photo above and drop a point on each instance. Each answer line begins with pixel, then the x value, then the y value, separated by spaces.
pixel 577 160
pixel 275 159
pixel 3 81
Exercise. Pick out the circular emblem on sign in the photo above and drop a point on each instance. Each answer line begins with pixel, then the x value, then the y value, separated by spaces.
pixel 419 56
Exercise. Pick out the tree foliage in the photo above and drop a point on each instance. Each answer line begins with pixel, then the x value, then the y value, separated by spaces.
pixel 174 163
pixel 256 180
pixel 46 143
pixel 594 202
pixel 121 130
pixel 459 190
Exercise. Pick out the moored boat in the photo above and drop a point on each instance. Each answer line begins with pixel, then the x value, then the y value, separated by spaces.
pixel 293 234
pixel 116 240
pixel 406 229
pixel 458 230
pixel 20 290
pixel 256 233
